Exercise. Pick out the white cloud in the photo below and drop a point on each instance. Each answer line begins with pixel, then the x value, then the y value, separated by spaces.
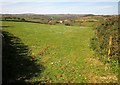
pixel 104 7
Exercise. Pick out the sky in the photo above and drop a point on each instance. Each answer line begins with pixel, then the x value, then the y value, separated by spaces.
pixel 98 7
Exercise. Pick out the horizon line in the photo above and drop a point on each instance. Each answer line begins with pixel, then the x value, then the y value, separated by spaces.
pixel 60 13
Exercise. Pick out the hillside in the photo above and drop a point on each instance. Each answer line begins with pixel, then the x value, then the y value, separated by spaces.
pixel 51 54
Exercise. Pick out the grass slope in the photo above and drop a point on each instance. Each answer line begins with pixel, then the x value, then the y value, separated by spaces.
pixel 63 50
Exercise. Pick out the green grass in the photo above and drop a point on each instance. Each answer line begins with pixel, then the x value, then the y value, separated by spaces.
pixel 88 24
pixel 63 50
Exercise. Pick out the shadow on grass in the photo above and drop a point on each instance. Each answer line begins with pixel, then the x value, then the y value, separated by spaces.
pixel 17 62
pixel 5 26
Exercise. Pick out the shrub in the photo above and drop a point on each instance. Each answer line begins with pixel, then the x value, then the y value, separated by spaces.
pixel 100 41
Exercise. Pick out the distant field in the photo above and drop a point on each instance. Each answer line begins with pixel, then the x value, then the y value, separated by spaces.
pixel 64 52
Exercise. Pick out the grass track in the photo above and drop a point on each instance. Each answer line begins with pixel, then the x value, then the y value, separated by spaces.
pixel 63 50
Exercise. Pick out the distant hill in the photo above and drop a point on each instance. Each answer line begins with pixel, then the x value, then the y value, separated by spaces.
pixel 46 16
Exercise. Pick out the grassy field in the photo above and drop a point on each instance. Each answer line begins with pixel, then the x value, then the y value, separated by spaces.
pixel 63 51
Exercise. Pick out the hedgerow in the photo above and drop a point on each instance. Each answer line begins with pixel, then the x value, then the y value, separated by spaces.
pixel 105 41
pixel 101 39
pixel 105 48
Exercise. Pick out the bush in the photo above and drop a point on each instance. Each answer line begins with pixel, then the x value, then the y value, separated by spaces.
pixel 68 23
pixel 100 41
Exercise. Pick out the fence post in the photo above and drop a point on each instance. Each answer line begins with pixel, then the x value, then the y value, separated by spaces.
pixel 109 51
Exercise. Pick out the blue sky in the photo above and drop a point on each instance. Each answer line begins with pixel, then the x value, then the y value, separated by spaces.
pixel 102 7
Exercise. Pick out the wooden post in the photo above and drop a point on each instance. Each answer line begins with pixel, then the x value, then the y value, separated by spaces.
pixel 109 51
